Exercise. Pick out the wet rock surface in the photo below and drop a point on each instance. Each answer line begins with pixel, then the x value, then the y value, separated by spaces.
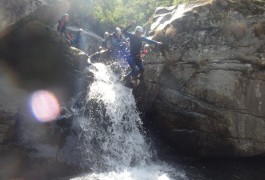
pixel 42 10
pixel 34 57
pixel 205 91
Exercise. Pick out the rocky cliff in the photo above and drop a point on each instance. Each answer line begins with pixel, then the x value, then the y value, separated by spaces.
pixel 205 91
pixel 13 10
pixel 33 58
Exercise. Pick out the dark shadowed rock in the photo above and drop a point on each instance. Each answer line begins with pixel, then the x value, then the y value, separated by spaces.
pixel 206 94
pixel 40 59
pixel 34 57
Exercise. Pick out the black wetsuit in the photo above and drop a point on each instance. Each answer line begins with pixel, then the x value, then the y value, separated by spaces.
pixel 135 59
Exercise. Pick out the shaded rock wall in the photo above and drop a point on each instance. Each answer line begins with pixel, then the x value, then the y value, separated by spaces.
pixel 34 57
pixel 11 11
pixel 205 95
pixel 39 57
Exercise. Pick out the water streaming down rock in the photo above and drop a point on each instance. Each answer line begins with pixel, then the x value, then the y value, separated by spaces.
pixel 110 135
pixel 112 124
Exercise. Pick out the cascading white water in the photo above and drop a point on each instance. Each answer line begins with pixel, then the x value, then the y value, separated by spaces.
pixel 110 134
pixel 121 141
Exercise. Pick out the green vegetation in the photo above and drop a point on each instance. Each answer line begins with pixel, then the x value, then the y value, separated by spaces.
pixel 119 12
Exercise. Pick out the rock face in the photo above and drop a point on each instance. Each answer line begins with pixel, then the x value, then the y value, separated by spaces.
pixel 205 92
pixel 34 57
pixel 13 10
pixel 40 59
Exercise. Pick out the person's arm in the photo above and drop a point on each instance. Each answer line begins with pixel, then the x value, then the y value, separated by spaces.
pixel 124 41
pixel 125 31
pixel 113 42
pixel 59 26
pixel 151 41
pixel 68 37
pixel 108 41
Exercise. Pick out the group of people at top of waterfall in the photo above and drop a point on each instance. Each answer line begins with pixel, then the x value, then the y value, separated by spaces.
pixel 114 42
pixel 78 40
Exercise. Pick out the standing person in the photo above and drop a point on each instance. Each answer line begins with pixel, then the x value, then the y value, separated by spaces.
pixel 135 60
pixel 62 27
pixel 104 43
pixel 78 41
pixel 116 42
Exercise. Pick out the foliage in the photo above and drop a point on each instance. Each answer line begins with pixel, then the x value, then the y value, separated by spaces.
pixel 119 12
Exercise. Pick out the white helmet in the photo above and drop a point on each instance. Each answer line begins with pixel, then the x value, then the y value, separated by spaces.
pixel 139 29
pixel 118 30
pixel 106 33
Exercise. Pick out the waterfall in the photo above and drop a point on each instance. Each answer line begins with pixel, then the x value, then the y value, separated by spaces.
pixel 111 139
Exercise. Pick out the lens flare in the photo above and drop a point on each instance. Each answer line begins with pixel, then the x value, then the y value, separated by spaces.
pixel 45 106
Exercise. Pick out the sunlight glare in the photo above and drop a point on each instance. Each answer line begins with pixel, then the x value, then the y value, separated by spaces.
pixel 44 105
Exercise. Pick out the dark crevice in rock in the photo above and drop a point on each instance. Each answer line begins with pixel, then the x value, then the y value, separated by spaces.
pixel 156 62
pixel 217 69
pixel 247 113
pixel 203 103
pixel 218 135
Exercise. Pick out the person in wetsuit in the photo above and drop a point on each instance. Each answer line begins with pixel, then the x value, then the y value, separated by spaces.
pixel 62 23
pixel 135 60
pixel 116 41
pixel 104 43
pixel 79 41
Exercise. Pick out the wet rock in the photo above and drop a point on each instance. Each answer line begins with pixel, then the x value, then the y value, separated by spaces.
pixel 47 11
pixel 205 95
pixel 6 125
pixel 40 59
pixel 34 57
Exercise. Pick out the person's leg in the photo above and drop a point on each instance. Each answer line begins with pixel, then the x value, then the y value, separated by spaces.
pixel 133 67
pixel 139 63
